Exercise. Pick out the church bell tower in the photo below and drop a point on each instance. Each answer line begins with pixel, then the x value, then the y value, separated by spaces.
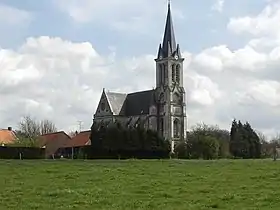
pixel 169 87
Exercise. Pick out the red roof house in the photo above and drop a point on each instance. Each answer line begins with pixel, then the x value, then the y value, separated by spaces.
pixel 80 140
pixel 52 142
pixel 7 136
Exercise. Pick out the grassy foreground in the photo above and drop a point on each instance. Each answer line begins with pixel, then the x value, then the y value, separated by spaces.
pixel 136 184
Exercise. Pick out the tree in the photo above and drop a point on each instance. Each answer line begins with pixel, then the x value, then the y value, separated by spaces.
pixel 31 128
pixel 114 140
pixel 244 141
pixel 25 142
pixel 266 146
pixel 202 146
pixel 221 135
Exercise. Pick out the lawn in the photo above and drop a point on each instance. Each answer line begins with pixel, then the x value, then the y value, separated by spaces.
pixel 139 184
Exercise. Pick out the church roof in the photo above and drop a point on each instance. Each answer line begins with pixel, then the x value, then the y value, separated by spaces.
pixel 116 101
pixel 138 103
pixel 169 47
pixel 169 42
pixel 132 104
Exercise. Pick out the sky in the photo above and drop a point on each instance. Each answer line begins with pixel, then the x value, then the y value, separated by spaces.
pixel 56 56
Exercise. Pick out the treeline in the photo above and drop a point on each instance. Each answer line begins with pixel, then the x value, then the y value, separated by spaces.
pixel 205 142
pixel 244 141
pixel 211 142
pixel 112 140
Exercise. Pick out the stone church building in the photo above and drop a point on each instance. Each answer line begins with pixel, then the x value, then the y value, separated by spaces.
pixel 162 109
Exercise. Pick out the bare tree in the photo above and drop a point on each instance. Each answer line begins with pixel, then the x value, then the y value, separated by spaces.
pixel 31 128
pixel 46 126
pixel 276 144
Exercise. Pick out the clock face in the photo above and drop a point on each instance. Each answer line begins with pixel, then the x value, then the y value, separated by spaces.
pixel 176 57
pixel 160 57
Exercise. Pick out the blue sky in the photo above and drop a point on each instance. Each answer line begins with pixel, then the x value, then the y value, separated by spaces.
pixel 56 56
pixel 198 20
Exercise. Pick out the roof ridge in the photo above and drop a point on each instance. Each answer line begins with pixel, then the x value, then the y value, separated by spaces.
pixel 54 133
pixel 143 91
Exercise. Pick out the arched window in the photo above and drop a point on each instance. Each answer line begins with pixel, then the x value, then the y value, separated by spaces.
pixel 175 98
pixel 160 72
pixel 161 126
pixel 163 73
pixel 173 72
pixel 176 130
pixel 178 73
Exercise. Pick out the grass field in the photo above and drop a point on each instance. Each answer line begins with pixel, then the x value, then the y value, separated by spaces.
pixel 136 184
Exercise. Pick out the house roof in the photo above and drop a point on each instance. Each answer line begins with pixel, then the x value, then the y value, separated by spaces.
pixel 116 101
pixel 81 139
pixel 7 136
pixel 53 141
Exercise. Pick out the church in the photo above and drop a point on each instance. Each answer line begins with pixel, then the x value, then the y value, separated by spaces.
pixel 163 108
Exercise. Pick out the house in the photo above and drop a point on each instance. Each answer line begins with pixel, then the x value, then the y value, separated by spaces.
pixel 52 142
pixel 162 109
pixel 72 148
pixel 7 136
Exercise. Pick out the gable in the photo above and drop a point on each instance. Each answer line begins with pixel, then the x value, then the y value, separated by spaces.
pixel 116 101
pixel 103 108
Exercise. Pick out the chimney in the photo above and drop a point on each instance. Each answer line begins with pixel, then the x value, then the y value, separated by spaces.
pixel 10 128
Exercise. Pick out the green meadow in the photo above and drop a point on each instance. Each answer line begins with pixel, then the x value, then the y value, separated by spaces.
pixel 139 184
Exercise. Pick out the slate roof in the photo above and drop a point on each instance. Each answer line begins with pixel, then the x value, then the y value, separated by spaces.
pixel 116 101
pixel 169 46
pixel 138 103
pixel 169 35
pixel 132 104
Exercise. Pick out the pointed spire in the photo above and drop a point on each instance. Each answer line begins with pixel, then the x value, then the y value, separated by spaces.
pixel 160 51
pixel 169 35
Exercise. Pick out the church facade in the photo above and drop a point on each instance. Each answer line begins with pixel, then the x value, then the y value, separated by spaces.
pixel 163 108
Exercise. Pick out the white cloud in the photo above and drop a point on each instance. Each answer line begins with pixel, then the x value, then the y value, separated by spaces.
pixel 218 5
pixel 61 80
pixel 13 16
pixel 125 15
pixel 264 24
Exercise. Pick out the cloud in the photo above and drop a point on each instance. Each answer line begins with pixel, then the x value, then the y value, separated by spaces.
pixel 218 5
pixel 125 15
pixel 263 24
pixel 61 80
pixel 13 16
pixel 49 77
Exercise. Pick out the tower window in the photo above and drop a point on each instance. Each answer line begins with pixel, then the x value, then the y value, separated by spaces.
pixel 161 126
pixel 173 72
pixel 176 128
pixel 160 70
pixel 178 73
pixel 162 73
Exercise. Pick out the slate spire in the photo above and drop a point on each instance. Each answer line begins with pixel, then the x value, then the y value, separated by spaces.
pixel 169 43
